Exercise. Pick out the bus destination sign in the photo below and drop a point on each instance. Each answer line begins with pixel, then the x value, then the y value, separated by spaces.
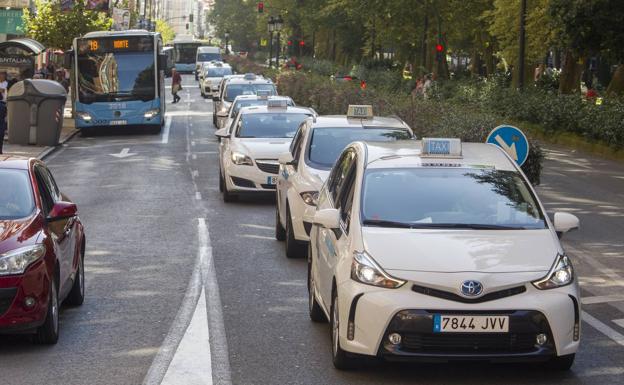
pixel 117 44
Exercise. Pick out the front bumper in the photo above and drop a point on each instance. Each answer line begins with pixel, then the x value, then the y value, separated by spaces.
pixel 15 316
pixel 409 313
pixel 301 216
pixel 249 179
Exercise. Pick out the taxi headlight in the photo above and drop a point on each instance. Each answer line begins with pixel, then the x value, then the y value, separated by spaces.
pixel 310 197
pixel 561 274
pixel 241 159
pixel 366 271
pixel 152 113
pixel 85 116
pixel 16 261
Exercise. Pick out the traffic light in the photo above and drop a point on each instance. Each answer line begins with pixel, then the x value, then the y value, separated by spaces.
pixel 187 25
pixel 261 7
pixel 439 52
pixel 302 43
pixel 289 43
pixel 439 47
pixel 191 18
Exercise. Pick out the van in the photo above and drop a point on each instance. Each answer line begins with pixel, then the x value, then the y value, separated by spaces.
pixel 206 54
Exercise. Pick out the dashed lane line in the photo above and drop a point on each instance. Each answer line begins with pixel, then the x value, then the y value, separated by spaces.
pixel 165 134
pixel 603 328
pixel 257 226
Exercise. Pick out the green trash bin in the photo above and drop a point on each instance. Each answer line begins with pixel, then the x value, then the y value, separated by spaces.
pixel 35 112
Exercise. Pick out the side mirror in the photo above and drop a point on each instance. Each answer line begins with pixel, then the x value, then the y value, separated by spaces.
pixel 565 222
pixel 162 62
pixel 215 99
pixel 61 211
pixel 222 133
pixel 286 159
pixel 328 218
pixel 222 114
pixel 68 59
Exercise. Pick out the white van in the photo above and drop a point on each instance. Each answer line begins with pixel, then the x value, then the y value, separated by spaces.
pixel 206 54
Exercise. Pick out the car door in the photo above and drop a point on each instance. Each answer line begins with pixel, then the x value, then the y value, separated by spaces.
pixel 289 171
pixel 61 231
pixel 225 145
pixel 329 241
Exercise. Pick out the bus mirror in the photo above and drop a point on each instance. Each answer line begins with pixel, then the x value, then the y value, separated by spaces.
pixel 67 59
pixel 162 62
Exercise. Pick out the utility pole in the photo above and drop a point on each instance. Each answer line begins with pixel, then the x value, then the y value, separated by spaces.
pixel 521 42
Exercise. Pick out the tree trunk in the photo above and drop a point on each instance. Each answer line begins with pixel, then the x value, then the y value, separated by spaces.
pixel 423 47
pixel 570 79
pixel 616 85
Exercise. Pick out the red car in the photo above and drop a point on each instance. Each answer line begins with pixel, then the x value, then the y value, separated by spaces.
pixel 42 246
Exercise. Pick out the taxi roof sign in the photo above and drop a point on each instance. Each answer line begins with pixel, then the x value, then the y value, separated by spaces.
pixel 360 111
pixel 441 147
pixel 250 76
pixel 277 103
pixel 263 94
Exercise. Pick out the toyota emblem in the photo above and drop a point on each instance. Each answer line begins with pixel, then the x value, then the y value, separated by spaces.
pixel 471 288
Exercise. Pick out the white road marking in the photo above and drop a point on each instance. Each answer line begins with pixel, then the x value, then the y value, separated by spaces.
pixel 204 153
pixel 198 195
pixel 194 156
pixel 192 364
pixel 193 143
pixel 195 173
pixel 603 328
pixel 602 299
pixel 257 226
pixel 123 153
pixel 165 134
pixel 257 237
pixel 619 322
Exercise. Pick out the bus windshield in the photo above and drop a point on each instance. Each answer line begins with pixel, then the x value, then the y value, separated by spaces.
pixel 116 76
pixel 185 52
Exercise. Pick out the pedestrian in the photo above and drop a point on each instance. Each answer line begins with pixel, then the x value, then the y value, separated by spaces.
pixel 4 86
pixel 176 85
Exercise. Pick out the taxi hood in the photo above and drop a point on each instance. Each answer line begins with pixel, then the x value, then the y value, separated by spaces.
pixel 264 148
pixel 452 251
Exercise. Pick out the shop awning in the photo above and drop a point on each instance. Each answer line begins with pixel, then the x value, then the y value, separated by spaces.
pixel 27 46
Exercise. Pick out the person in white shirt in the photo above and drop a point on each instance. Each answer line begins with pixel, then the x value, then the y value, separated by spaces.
pixel 4 84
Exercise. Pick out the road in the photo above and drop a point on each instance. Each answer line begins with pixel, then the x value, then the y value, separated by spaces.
pixel 185 289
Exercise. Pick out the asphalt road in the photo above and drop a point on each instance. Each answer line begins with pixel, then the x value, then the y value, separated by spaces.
pixel 142 213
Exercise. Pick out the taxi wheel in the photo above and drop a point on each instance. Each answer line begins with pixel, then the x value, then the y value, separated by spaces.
pixel 562 363
pixel 221 182
pixel 48 333
pixel 77 293
pixel 294 248
pixel 227 195
pixel 316 313
pixel 280 232
pixel 340 358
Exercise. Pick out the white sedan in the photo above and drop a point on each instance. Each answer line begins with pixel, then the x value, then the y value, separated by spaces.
pixel 304 168
pixel 448 255
pixel 248 151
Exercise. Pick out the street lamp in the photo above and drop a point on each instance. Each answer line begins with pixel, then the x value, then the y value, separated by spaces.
pixel 271 26
pixel 279 23
pixel 227 36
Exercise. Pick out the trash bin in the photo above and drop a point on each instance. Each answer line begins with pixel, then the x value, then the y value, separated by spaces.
pixel 35 112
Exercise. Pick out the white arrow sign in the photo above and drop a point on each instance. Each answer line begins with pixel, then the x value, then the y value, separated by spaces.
pixel 123 154
pixel 511 150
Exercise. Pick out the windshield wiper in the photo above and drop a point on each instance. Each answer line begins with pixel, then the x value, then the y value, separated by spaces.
pixel 385 223
pixel 471 226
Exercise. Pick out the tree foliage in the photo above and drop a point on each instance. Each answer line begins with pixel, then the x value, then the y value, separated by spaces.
pixel 56 29
pixel 165 31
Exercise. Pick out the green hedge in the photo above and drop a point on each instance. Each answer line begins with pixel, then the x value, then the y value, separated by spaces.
pixel 426 117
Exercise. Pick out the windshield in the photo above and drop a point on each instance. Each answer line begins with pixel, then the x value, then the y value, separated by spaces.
pixel 253 102
pixel 218 72
pixel 185 53
pixel 116 76
pixel 327 144
pixel 270 125
pixel 233 90
pixel 449 198
pixel 208 56
pixel 16 198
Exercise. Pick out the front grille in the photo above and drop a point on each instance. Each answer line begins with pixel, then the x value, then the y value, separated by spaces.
pixel 6 298
pixel 270 167
pixel 457 298
pixel 242 182
pixel 468 343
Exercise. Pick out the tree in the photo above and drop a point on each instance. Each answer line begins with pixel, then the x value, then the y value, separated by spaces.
pixel 165 31
pixel 56 29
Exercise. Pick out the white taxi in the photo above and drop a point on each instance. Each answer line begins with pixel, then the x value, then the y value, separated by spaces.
pixel 441 251
pixel 313 152
pixel 210 75
pixel 234 85
pixel 248 151
pixel 260 99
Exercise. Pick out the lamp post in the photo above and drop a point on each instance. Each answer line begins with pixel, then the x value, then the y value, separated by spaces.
pixel 227 36
pixel 271 26
pixel 279 23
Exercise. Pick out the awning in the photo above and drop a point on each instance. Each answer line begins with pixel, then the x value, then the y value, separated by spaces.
pixel 30 46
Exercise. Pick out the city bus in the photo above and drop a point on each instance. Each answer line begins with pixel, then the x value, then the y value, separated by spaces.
pixel 184 54
pixel 119 80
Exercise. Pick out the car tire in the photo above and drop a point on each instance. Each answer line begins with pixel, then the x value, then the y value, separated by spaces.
pixel 77 294
pixel 221 182
pixel 340 358
pixel 214 120
pixel 48 333
pixel 227 195
pixel 294 248
pixel 315 311
pixel 280 232
pixel 561 363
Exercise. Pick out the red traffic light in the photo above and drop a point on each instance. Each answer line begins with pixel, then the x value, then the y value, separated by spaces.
pixel 289 42
pixel 261 7
pixel 439 47
pixel 302 43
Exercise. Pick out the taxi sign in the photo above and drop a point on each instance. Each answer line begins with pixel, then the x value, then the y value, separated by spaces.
pixel 250 76
pixel 263 94
pixel 441 147
pixel 277 103
pixel 512 140
pixel 360 111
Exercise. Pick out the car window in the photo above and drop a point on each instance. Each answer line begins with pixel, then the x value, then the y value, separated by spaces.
pixel 16 197
pixel 345 201
pixel 339 174
pixel 234 90
pixel 46 199
pixel 51 184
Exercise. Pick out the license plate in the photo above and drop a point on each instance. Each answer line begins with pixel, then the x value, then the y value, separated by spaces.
pixel 271 180
pixel 118 122
pixel 443 323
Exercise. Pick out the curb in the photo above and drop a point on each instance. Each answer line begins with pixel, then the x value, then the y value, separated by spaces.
pixel 49 150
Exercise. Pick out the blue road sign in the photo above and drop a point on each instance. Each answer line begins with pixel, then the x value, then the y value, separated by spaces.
pixel 512 140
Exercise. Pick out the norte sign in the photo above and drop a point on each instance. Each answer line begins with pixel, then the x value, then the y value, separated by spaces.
pixel 512 140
